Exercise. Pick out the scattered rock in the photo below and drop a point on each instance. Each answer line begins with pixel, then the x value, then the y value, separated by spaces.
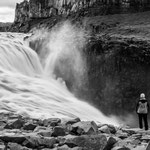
pixel 15 146
pixel 15 124
pixel 13 138
pixel 87 142
pixel 39 128
pixel 121 134
pixel 110 143
pixel 104 129
pixel 36 142
pixel 51 122
pixel 84 127
pixel 45 133
pixel 58 131
pixel 73 121
pixel 129 131
pixel 29 126
pixel 70 135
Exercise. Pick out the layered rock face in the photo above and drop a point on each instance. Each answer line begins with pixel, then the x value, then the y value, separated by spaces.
pixel 22 12
pixel 47 8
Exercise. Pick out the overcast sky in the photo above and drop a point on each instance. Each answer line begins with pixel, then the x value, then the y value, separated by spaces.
pixel 7 10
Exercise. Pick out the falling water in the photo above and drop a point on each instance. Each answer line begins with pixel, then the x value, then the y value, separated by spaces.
pixel 24 88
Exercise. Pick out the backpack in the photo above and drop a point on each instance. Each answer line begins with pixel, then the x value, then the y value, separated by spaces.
pixel 142 109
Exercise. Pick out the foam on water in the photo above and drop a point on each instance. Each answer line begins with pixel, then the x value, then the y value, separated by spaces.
pixel 25 90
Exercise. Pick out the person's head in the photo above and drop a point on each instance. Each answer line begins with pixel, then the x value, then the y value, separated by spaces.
pixel 142 96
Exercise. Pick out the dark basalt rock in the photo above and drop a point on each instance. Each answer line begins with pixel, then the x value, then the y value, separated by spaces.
pixel 51 122
pixel 35 142
pixel 87 142
pixel 58 131
pixel 15 146
pixel 72 121
pixel 84 127
pixel 13 138
pixel 15 124
pixel 29 126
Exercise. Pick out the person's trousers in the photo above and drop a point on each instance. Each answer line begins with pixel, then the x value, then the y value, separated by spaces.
pixel 143 117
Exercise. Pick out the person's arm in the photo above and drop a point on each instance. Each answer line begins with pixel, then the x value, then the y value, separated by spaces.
pixel 148 106
pixel 137 105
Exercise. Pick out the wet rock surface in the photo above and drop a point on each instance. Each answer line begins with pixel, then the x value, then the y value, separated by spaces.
pixel 32 135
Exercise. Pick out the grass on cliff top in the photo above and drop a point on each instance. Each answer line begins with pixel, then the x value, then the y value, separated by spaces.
pixel 123 25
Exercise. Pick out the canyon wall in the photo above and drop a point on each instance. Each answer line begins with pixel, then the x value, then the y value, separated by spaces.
pixel 46 8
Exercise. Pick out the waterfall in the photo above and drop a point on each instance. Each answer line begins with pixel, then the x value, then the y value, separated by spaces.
pixel 24 88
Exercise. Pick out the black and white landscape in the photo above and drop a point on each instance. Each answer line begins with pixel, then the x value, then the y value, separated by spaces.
pixel 71 73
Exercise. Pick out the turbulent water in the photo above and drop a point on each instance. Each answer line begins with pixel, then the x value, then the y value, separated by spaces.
pixel 24 88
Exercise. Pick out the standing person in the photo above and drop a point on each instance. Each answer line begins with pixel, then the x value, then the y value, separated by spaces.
pixel 142 109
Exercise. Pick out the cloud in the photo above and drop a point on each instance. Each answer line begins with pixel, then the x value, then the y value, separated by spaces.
pixel 9 3
pixel 7 10
pixel 7 14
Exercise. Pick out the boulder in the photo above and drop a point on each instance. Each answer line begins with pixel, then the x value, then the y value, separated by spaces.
pixel 104 129
pixel 84 127
pixel 15 146
pixel 13 138
pixel 15 124
pixel 39 128
pixel 72 121
pixel 129 131
pixel 45 133
pixel 112 129
pixel 110 143
pixel 58 131
pixel 121 135
pixel 51 122
pixel 29 126
pixel 87 142
pixel 36 142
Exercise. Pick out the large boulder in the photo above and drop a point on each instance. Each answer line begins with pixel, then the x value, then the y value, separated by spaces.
pixel 13 138
pixel 58 131
pixel 15 124
pixel 84 127
pixel 36 142
pixel 15 146
pixel 104 129
pixel 110 143
pixel 29 126
pixel 45 133
pixel 87 142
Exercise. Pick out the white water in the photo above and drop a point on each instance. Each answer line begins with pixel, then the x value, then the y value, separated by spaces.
pixel 24 88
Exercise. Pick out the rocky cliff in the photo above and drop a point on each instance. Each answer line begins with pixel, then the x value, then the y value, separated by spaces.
pixel 47 8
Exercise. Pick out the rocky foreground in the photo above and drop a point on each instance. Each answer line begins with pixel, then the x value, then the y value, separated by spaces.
pixel 22 133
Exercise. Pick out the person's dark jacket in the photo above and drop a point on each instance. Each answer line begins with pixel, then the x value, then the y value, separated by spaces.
pixel 142 101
